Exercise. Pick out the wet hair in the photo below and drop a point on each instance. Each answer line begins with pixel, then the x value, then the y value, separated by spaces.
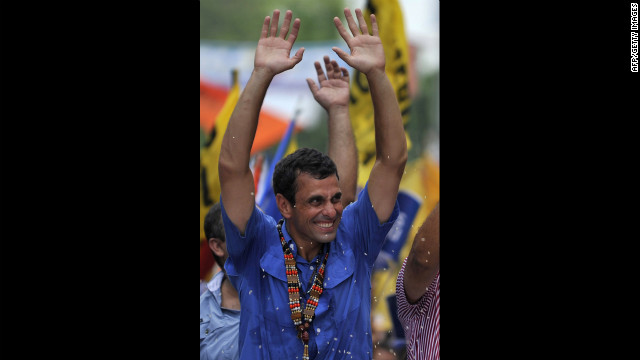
pixel 303 160
pixel 214 228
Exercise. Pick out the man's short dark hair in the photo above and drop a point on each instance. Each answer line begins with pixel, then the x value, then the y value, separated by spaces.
pixel 214 228
pixel 303 160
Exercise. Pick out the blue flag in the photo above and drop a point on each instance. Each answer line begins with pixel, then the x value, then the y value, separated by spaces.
pixel 267 200
pixel 397 236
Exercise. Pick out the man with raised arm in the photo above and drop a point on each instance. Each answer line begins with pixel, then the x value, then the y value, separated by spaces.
pixel 220 303
pixel 304 281
pixel 333 96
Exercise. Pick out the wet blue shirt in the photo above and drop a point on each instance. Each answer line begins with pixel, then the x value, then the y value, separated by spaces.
pixel 342 324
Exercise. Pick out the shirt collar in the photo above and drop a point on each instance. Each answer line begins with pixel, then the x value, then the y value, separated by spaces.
pixel 340 265
pixel 294 248
pixel 215 284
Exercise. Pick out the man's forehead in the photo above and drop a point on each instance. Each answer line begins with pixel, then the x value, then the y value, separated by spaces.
pixel 311 186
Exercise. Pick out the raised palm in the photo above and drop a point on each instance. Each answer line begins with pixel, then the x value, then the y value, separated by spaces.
pixel 272 52
pixel 334 86
pixel 367 52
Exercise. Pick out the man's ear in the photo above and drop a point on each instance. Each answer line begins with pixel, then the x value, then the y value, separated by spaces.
pixel 285 207
pixel 215 245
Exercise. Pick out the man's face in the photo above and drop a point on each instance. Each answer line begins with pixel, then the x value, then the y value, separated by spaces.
pixel 318 209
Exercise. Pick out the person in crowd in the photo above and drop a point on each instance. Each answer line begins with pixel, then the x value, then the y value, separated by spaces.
pixel 418 291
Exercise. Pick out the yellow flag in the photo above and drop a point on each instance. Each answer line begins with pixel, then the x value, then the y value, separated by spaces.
pixel 391 29
pixel 210 154
pixel 293 145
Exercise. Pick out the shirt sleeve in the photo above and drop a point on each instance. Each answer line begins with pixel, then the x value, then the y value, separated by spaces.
pixel 407 311
pixel 370 232
pixel 248 247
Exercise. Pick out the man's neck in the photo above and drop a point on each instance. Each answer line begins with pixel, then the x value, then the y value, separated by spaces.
pixel 229 294
pixel 306 248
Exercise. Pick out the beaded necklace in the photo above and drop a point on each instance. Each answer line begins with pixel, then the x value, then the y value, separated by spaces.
pixel 293 285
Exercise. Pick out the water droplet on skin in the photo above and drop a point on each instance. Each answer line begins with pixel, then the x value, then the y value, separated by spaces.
pixel 421 239
pixel 427 260
pixel 428 252
pixel 252 193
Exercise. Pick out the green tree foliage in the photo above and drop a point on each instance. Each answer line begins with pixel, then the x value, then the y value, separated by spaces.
pixel 241 20
pixel 424 115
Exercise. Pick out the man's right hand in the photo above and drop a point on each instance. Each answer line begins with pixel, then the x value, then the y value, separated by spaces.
pixel 272 53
